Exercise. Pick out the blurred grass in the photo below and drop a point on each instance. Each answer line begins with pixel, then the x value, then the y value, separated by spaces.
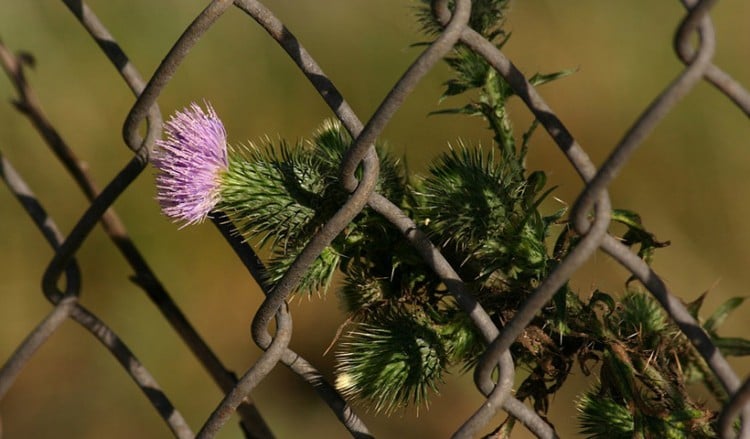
pixel 688 181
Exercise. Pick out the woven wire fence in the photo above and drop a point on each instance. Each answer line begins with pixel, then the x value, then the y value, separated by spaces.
pixel 494 374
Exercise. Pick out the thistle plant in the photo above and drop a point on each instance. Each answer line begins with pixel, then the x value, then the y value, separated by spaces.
pixel 481 207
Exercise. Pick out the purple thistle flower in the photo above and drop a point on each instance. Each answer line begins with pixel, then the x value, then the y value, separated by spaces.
pixel 190 162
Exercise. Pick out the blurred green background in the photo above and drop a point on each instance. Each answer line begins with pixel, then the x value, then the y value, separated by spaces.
pixel 689 181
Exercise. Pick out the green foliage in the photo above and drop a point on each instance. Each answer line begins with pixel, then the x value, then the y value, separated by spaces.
pixel 486 17
pixel 642 390
pixel 481 206
pixel 604 417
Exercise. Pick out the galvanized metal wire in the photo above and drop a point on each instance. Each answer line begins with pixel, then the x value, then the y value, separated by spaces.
pixel 593 229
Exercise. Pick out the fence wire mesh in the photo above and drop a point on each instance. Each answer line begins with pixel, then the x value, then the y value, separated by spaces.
pixel 694 43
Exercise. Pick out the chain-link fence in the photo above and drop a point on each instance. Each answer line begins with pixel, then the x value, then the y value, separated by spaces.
pixel 61 282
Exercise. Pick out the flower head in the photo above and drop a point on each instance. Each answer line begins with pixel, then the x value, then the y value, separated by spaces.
pixel 190 162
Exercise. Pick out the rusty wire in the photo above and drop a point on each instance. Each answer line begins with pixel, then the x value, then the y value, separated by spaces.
pixel 497 358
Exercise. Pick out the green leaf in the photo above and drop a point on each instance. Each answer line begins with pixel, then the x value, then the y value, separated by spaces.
pixel 637 234
pixel 534 184
pixel 561 310
pixel 526 138
pixel 721 313
pixel 543 78
pixel 627 217
pixel 470 110
pixel 732 346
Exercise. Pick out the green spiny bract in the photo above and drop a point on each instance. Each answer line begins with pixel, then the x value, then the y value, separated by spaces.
pixel 394 359
pixel 484 214
pixel 282 196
